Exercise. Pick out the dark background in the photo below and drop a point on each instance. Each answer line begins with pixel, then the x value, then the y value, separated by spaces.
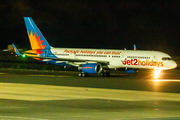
pixel 94 24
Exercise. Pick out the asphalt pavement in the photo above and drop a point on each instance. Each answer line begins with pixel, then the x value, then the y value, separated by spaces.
pixel 55 95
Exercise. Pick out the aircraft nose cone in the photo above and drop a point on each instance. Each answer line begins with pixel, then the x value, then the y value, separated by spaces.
pixel 175 64
pixel 171 64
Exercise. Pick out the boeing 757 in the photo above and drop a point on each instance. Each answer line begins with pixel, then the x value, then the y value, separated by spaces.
pixel 93 61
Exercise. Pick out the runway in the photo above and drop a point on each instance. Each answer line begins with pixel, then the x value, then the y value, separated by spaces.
pixel 48 95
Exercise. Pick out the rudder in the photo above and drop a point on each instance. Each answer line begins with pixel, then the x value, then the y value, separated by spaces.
pixel 36 38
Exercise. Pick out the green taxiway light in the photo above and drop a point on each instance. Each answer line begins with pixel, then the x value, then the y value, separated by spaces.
pixel 23 55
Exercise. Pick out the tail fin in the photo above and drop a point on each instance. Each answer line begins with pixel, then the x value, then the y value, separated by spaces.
pixel 16 50
pixel 36 38
pixel 135 47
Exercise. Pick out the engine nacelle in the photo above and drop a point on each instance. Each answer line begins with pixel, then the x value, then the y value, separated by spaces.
pixel 91 68
pixel 129 71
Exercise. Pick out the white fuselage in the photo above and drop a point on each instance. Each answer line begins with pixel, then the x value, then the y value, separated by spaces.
pixel 118 58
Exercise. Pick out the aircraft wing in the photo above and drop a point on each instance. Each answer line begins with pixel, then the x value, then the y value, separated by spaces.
pixel 62 59
pixel 71 60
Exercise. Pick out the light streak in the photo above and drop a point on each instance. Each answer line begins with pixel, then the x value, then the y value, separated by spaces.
pixel 166 80
pixel 157 72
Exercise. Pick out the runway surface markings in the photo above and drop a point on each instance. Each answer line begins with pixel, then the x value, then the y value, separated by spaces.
pixel 12 107
pixel 49 75
pixel 2 73
pixel 23 118
pixel 32 92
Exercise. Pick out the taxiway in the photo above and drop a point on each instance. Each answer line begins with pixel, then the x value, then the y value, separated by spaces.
pixel 45 95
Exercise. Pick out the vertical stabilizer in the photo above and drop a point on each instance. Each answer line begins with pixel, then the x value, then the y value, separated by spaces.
pixel 16 50
pixel 135 47
pixel 36 38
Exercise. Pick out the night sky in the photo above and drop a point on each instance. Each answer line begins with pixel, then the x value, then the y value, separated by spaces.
pixel 95 24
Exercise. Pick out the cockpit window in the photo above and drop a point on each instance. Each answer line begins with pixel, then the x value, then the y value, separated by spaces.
pixel 166 58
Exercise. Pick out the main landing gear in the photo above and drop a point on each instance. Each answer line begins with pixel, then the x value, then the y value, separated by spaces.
pixel 83 74
pixel 105 74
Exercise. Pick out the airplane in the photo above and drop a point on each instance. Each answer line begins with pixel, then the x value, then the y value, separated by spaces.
pixel 93 61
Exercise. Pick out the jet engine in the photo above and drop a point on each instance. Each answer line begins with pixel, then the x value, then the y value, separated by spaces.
pixel 92 68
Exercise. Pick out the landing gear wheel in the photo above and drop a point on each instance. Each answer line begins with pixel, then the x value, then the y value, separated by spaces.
pixel 83 74
pixel 80 74
pixel 102 74
pixel 105 74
